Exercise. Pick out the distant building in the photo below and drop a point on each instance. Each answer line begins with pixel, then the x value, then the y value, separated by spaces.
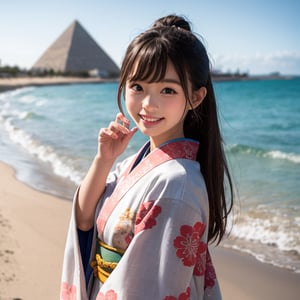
pixel 75 51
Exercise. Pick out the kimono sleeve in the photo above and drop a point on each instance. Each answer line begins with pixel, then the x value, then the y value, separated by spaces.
pixel 73 284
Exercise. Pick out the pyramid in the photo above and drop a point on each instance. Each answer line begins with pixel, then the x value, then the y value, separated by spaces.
pixel 76 51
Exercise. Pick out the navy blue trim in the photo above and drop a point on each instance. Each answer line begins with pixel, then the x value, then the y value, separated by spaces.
pixel 85 239
pixel 142 154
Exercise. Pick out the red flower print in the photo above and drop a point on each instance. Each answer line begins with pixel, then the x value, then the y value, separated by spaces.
pixel 188 243
pixel 183 296
pixel 200 266
pixel 110 295
pixel 210 274
pixel 68 292
pixel 146 216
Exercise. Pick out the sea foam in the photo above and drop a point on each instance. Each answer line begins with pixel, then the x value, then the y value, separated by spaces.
pixel 281 155
pixel 60 164
pixel 274 154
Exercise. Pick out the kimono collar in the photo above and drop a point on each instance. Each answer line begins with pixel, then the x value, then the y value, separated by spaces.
pixel 176 148
pixel 183 148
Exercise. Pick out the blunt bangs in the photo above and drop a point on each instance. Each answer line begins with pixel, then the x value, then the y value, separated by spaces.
pixel 150 63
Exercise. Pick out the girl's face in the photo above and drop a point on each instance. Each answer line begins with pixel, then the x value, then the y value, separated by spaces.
pixel 158 108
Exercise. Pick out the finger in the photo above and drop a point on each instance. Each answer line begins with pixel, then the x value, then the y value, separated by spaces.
pixel 134 130
pixel 121 119
pixel 131 133
pixel 107 133
pixel 118 128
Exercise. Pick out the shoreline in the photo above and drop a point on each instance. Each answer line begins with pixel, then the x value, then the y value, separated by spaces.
pixel 32 239
pixel 7 84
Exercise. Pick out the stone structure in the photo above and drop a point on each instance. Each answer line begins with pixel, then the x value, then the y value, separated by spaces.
pixel 75 51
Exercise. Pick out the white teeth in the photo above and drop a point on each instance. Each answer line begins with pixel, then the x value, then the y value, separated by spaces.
pixel 149 119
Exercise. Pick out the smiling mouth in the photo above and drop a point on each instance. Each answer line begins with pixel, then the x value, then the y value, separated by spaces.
pixel 150 119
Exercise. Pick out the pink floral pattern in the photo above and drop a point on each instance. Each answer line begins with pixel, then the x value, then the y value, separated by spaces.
pixel 146 216
pixel 187 150
pixel 187 244
pixel 109 295
pixel 210 274
pixel 68 292
pixel 200 266
pixel 183 296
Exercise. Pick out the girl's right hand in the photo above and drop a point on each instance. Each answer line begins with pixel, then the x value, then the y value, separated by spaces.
pixel 113 140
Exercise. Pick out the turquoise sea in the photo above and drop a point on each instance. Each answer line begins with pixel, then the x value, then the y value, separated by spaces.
pixel 49 135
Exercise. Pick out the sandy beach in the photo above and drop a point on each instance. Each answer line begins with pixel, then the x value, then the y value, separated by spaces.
pixel 33 228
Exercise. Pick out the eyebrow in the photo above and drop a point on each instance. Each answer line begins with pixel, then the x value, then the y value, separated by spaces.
pixel 164 80
pixel 170 80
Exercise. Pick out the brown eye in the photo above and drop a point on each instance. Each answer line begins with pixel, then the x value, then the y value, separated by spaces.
pixel 136 87
pixel 168 91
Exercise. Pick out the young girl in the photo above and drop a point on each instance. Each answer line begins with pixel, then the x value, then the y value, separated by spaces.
pixel 142 231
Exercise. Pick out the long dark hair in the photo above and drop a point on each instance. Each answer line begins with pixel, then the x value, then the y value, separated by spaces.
pixel 146 58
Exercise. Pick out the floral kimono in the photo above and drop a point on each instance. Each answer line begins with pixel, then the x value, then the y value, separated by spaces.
pixel 154 211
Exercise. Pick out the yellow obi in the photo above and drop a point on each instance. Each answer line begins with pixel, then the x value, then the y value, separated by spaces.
pixel 106 260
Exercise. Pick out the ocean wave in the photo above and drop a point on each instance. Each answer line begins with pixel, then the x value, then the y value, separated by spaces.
pixel 13 114
pixel 61 165
pixel 281 155
pixel 16 92
pixel 269 234
pixel 273 154
pixel 275 227
pixel 21 96
pixel 26 115
pixel 29 99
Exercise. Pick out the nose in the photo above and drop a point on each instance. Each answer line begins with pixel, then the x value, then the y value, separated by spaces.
pixel 150 102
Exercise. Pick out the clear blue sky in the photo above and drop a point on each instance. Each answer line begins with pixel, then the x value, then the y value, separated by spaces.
pixel 257 36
